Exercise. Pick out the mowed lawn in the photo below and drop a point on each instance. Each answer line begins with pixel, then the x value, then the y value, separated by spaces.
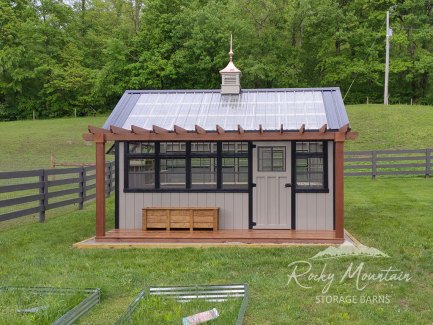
pixel 391 214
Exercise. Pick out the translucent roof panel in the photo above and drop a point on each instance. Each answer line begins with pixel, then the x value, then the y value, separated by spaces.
pixel 269 109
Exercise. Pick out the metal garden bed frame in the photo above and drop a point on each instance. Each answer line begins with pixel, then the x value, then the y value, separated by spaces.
pixel 187 293
pixel 72 315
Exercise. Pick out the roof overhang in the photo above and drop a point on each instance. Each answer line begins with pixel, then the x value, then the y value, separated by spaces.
pixel 180 134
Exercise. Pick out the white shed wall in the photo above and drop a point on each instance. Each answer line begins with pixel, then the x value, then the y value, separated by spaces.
pixel 315 211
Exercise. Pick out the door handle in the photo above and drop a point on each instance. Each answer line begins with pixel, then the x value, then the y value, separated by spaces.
pixel 288 185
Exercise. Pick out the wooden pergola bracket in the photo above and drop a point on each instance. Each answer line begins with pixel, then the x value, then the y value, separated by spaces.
pixel 345 128
pixel 199 129
pixel 302 129
pixel 159 130
pixel 117 130
pixel 179 130
pixel 96 130
pixel 323 128
pixel 138 130
pixel 219 129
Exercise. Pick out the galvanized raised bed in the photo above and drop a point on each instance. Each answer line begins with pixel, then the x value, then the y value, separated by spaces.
pixel 71 316
pixel 211 293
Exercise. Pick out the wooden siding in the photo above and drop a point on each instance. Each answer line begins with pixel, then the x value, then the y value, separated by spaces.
pixel 315 211
pixel 233 212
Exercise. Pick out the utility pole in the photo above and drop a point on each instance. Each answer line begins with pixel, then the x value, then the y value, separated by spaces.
pixel 388 35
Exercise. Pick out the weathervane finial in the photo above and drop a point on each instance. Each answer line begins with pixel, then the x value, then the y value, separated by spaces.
pixel 231 47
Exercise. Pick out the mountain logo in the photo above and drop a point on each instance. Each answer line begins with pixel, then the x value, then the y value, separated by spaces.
pixel 345 250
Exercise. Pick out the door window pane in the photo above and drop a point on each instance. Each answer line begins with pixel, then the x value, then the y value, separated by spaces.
pixel 272 159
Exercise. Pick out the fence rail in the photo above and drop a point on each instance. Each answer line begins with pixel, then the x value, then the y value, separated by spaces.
pixel 388 162
pixel 37 191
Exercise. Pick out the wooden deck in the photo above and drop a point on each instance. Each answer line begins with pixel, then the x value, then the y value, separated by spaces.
pixel 221 236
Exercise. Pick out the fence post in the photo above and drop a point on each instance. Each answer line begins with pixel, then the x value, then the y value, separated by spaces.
pixel 43 189
pixel 108 181
pixel 427 162
pixel 373 164
pixel 82 186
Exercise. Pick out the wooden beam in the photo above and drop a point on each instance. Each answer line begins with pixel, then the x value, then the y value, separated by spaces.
pixel 323 128
pixel 179 130
pixel 159 130
pixel 227 136
pixel 117 130
pixel 345 128
pixel 302 129
pixel 219 129
pixel 351 135
pixel 100 184
pixel 95 130
pixel 199 129
pixel 137 130
pixel 240 129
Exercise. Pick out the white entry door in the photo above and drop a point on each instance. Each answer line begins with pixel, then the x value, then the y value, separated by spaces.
pixel 272 193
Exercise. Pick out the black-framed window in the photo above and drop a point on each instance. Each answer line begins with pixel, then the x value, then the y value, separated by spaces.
pixel 271 159
pixel 186 166
pixel 311 166
pixel 172 172
pixel 141 173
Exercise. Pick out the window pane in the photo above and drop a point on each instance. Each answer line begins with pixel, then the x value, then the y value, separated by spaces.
pixel 235 147
pixel 172 173
pixel 172 147
pixel 203 172
pixel 272 159
pixel 311 146
pixel 310 173
pixel 141 173
pixel 235 172
pixel 203 147
pixel 141 147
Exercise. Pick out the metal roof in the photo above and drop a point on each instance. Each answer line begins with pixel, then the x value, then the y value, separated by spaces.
pixel 253 109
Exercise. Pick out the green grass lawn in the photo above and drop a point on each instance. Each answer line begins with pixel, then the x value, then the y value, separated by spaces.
pixel 25 145
pixel 29 144
pixel 391 127
pixel 391 214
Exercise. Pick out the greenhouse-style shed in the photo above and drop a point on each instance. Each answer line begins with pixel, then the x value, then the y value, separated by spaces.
pixel 226 165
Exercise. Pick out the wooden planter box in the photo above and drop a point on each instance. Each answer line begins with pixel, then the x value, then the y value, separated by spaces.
pixel 180 218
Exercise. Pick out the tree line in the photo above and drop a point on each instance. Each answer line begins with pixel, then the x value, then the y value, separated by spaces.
pixel 58 57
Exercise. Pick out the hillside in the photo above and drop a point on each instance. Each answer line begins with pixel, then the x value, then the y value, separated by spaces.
pixel 28 144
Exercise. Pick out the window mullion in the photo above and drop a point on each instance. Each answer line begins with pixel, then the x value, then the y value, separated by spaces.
pixel 188 165
pixel 157 165
pixel 219 165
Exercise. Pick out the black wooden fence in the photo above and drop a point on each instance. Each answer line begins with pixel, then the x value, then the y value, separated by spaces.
pixel 29 192
pixel 388 162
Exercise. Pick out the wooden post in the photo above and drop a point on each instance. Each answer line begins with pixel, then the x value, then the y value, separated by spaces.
pixel 108 181
pixel 100 184
pixel 427 162
pixel 82 185
pixel 43 179
pixel 339 185
pixel 373 164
